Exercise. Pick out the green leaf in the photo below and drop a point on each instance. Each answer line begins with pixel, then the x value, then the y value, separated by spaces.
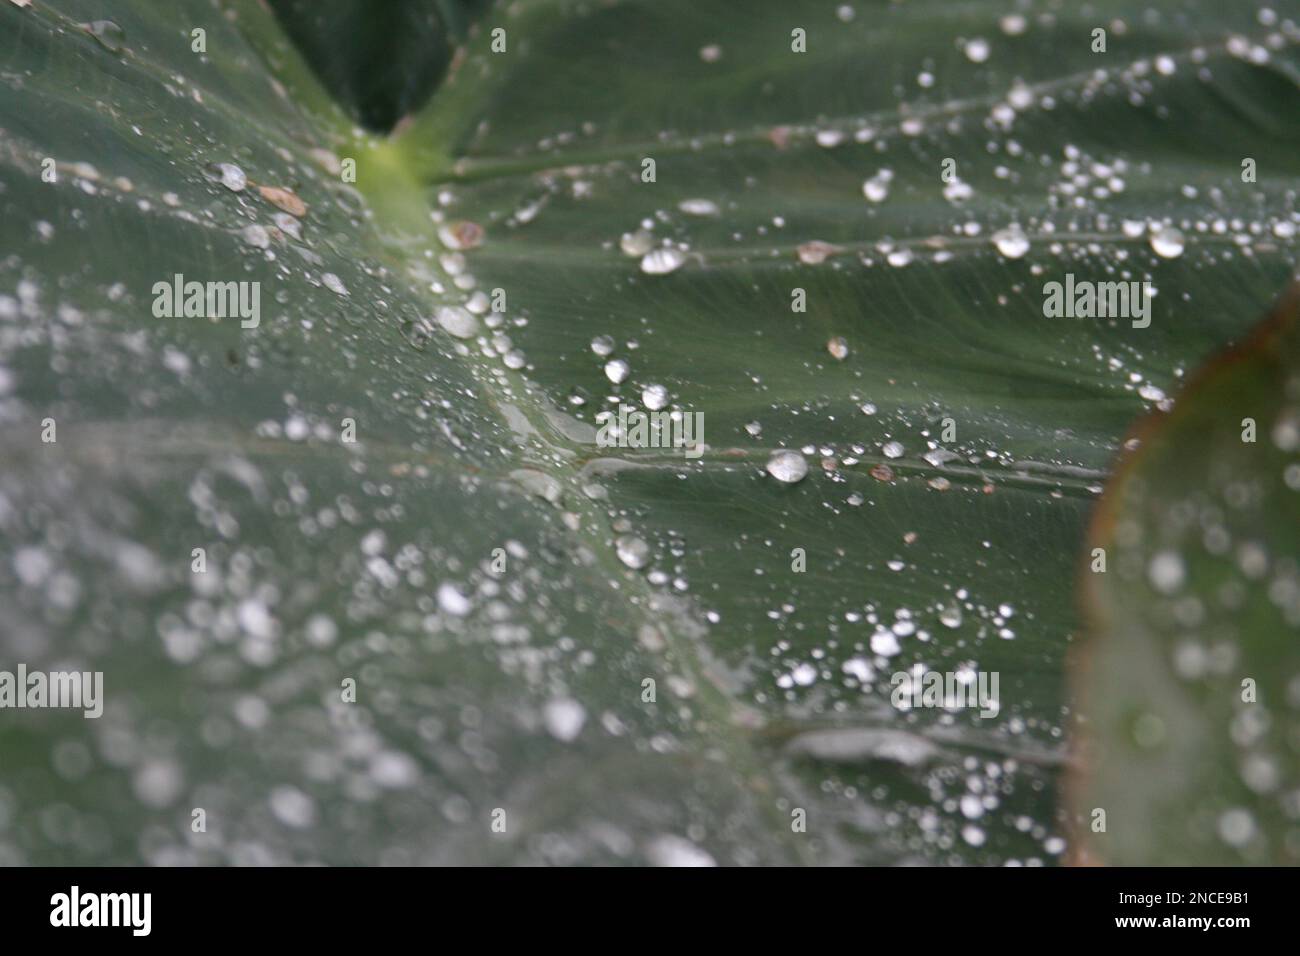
pixel 522 690
pixel 1191 685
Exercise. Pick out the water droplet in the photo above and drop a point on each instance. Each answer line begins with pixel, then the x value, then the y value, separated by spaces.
pixel 654 397
pixel 1013 24
pixel 816 252
pixel 669 850
pixel 885 643
pixel 957 191
pixel 461 235
pixel 698 207
pixel 1152 393
pixel 662 261
pixel 876 189
pixel 293 808
pixel 616 370
pixel 287 224
pixel 452 601
pixel 632 551
pixel 838 347
pixel 334 284
pixel 1011 242
pixel 602 345
pixel 1236 827
pixel 950 616
pixel 1166 572
pixel 893 449
pixel 229 175
pixel 459 322
pixel 110 36
pixel 1167 242
pixel 636 243
pixel 977 50
pixel 787 467
pixel 564 718
pixel 256 236
pixel 804 675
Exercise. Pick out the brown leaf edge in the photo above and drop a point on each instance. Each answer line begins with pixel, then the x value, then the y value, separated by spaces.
pixel 1264 343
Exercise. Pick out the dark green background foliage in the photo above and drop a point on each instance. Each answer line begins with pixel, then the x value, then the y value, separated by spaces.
pixel 380 58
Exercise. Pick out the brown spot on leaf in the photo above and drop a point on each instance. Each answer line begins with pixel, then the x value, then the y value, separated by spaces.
pixel 285 199
pixel 779 136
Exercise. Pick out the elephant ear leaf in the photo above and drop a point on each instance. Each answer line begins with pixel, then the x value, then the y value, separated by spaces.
pixel 1191 678
pixel 364 583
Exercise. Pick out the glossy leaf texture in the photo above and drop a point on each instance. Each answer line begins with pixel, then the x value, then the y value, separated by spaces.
pixel 955 438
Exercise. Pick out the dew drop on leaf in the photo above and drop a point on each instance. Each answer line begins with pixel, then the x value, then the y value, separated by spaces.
pixel 616 370
pixel 1011 242
pixel 654 397
pixel 787 467
pixel 662 261
pixel 457 321
pixel 636 243
pixel 698 207
pixel 229 175
pixel 632 551
pixel 256 236
pixel 1167 242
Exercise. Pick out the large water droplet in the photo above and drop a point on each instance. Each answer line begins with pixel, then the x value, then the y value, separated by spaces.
pixel 459 322
pixel 662 261
pixel 977 50
pixel 632 551
pixel 229 175
pixel 787 466
pixel 654 397
pixel 698 207
pixel 1166 572
pixel 876 189
pixel 1167 242
pixel 256 236
pixel 1011 242
pixel 636 243
pixel 816 252
pixel 616 370
pixel 564 718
